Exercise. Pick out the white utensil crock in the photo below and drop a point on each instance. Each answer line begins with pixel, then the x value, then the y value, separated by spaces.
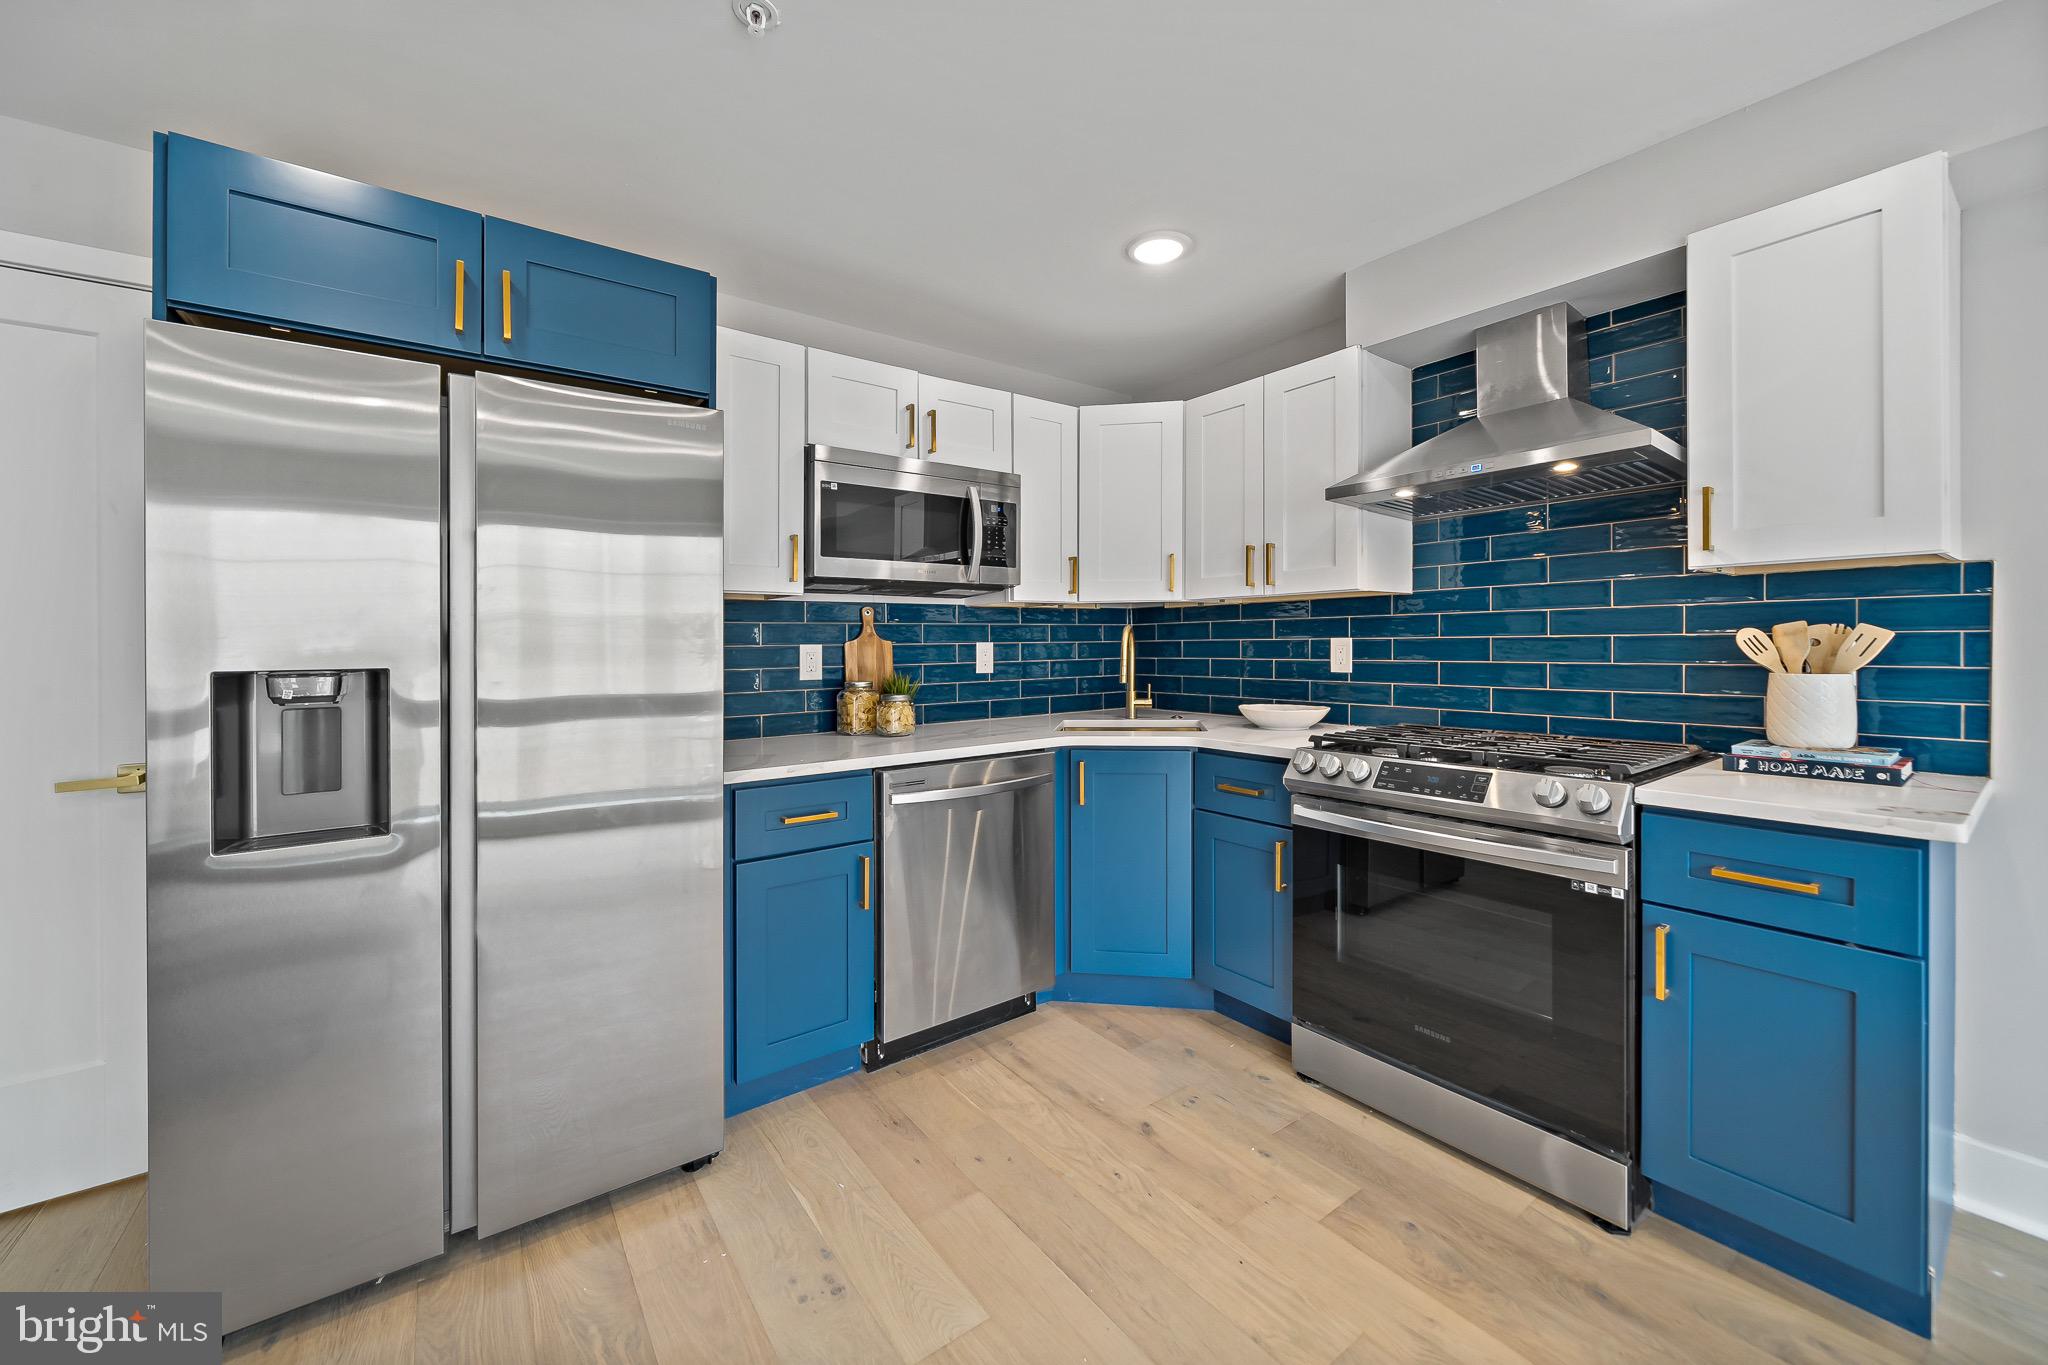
pixel 1811 710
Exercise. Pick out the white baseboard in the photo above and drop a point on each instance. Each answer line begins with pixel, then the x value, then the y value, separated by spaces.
pixel 2005 1186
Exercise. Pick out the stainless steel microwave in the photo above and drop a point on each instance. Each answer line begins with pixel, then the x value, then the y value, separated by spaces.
pixel 881 523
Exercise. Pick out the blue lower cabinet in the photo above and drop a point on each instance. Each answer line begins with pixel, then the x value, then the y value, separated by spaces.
pixel 1785 1087
pixel 1244 911
pixel 1128 863
pixel 247 236
pixel 565 304
pixel 803 958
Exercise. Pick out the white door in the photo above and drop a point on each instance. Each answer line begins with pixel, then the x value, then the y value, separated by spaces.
pixel 1226 491
pixel 73 1096
pixel 761 391
pixel 1131 502
pixel 964 423
pixel 1821 375
pixel 1046 448
pixel 861 404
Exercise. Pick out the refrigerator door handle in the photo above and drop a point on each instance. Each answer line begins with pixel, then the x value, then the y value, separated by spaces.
pixel 459 611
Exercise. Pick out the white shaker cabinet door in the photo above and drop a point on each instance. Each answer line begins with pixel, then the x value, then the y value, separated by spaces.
pixel 1226 491
pixel 862 404
pixel 1131 502
pixel 963 424
pixel 1326 419
pixel 761 392
pixel 1046 445
pixel 1822 374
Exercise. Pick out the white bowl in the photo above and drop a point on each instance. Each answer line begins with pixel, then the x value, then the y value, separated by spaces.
pixel 1271 716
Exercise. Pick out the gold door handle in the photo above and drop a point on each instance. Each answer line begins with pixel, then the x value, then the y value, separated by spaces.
pixel 1269 563
pixel 1074 575
pixel 1707 517
pixel 867 882
pixel 1729 874
pixel 1236 790
pixel 1169 573
pixel 1661 990
pixel 932 416
pixel 461 280
pixel 810 819
pixel 1081 783
pixel 1248 554
pixel 1279 862
pixel 794 541
pixel 505 282
pixel 910 426
pixel 128 779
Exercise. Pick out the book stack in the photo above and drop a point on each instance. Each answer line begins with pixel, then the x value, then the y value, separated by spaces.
pixel 1877 766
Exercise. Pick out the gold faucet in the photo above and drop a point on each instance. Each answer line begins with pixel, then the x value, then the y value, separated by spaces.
pixel 1127 674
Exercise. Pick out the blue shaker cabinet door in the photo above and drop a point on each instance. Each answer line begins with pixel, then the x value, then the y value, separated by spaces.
pixel 1244 918
pixel 565 304
pixel 1784 1083
pixel 803 958
pixel 250 237
pixel 1128 906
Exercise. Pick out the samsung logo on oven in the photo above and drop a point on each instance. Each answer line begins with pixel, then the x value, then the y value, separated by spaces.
pixel 1431 1033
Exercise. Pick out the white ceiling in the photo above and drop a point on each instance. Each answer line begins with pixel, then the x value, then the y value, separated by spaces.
pixel 961 172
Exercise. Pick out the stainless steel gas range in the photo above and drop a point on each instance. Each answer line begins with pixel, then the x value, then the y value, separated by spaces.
pixel 1465 942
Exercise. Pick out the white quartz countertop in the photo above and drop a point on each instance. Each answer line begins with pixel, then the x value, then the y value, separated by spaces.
pixel 1933 806
pixel 763 760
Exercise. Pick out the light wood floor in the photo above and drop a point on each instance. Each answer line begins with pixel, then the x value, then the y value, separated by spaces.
pixel 1083 1184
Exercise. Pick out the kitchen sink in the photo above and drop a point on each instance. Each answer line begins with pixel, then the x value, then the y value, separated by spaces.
pixel 1119 725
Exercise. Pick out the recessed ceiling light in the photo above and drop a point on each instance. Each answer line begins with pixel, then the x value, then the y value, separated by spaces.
pixel 1565 467
pixel 1159 248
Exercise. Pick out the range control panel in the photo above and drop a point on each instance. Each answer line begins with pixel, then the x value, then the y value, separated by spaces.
pixel 1421 779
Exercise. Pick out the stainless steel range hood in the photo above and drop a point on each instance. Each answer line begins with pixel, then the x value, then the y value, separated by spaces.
pixel 1535 437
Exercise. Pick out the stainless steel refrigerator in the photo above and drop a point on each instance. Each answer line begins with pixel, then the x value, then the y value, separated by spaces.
pixel 434 730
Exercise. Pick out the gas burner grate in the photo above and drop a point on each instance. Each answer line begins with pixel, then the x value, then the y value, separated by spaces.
pixel 1619 760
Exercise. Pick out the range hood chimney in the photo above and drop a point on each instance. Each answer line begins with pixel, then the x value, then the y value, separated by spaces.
pixel 1535 437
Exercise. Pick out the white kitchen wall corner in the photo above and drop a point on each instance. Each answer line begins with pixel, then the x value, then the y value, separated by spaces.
pixel 761 391
pixel 1046 451
pixel 1130 504
pixel 963 424
pixel 1823 377
pixel 862 404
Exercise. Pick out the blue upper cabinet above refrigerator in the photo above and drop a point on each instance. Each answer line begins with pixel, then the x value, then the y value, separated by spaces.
pixel 249 237
pixel 566 304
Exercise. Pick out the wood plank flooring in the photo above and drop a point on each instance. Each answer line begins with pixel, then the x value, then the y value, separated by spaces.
pixel 1088 1183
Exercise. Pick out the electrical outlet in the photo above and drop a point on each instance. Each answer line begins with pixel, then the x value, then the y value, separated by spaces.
pixel 810 662
pixel 1340 654
pixel 984 657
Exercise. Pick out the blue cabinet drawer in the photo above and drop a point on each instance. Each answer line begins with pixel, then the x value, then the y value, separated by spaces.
pixel 803 958
pixel 565 304
pixel 248 236
pixel 1867 891
pixel 789 817
pixel 1248 788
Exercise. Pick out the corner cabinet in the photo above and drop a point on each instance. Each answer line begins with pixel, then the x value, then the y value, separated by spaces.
pixel 1128 909
pixel 1130 502
pixel 761 392
pixel 1822 377
pixel 1046 454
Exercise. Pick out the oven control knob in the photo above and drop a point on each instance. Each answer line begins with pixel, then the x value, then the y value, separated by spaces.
pixel 1594 800
pixel 1331 764
pixel 1304 760
pixel 1358 769
pixel 1550 792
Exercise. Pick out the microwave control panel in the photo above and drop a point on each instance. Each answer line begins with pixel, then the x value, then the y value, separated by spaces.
pixel 1456 784
pixel 996 533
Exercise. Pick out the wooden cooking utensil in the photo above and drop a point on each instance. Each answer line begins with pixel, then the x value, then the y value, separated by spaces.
pixel 869 658
pixel 1759 648
pixel 1825 642
pixel 1863 645
pixel 1792 639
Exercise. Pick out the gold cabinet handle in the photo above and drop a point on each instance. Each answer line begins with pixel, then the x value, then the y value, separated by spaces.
pixel 932 416
pixel 1081 783
pixel 1661 990
pixel 910 426
pixel 1269 563
pixel 1729 874
pixel 461 280
pixel 811 819
pixel 1279 862
pixel 1707 517
pixel 794 541
pixel 505 282
pixel 1169 573
pixel 867 882
pixel 1248 553
pixel 129 779
pixel 1236 790
pixel 1074 575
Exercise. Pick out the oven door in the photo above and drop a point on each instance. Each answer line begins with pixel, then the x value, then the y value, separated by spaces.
pixel 1498 962
pixel 919 527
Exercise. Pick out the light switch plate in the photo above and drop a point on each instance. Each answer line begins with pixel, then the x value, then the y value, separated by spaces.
pixel 1340 654
pixel 984 656
pixel 810 662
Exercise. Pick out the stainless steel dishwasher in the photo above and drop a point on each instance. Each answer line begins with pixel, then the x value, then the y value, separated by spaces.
pixel 966 922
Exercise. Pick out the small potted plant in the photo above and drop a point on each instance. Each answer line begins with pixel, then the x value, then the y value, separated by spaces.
pixel 896 714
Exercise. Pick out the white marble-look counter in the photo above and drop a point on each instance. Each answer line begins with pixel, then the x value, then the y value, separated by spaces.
pixel 762 760
pixel 1933 806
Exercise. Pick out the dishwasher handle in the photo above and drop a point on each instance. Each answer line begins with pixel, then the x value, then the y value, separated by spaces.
pixel 915 798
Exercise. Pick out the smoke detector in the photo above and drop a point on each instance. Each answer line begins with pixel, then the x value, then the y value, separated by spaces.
pixel 758 16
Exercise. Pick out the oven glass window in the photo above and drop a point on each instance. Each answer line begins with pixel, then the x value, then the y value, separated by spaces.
pixel 1513 986
pixel 857 521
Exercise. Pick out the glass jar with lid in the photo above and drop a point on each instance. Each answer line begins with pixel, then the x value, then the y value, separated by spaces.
pixel 857 702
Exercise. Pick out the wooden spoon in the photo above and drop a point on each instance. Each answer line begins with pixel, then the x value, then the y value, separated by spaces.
pixel 1863 645
pixel 1826 642
pixel 1794 639
pixel 1759 648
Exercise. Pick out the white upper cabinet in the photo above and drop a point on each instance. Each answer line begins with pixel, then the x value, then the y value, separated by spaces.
pixel 1046 447
pixel 963 423
pixel 761 392
pixel 1326 419
pixel 862 404
pixel 1130 517
pixel 1226 491
pixel 1822 376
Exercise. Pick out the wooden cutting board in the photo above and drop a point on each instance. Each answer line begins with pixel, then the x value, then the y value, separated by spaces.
pixel 869 658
